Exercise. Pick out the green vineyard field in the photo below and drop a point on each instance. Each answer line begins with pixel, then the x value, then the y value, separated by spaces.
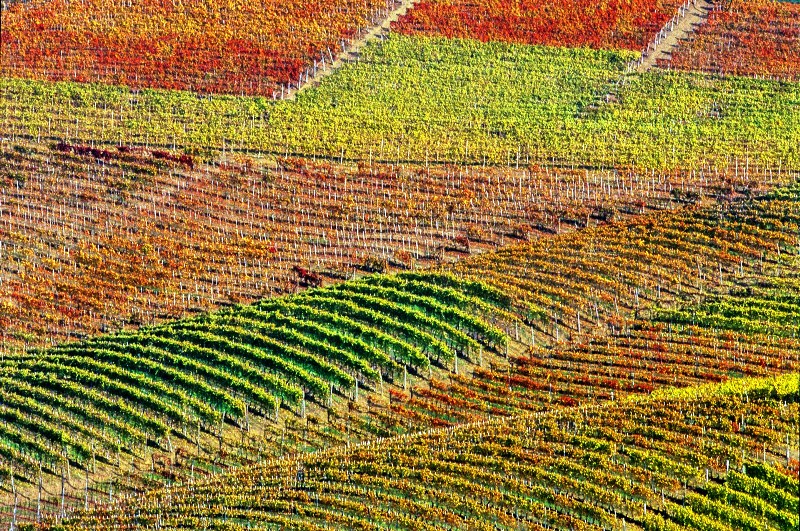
pixel 430 100
pixel 710 465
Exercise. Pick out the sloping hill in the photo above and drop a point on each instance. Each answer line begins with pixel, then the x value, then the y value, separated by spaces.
pixel 569 320
pixel 96 239
pixel 431 99
pixel 716 459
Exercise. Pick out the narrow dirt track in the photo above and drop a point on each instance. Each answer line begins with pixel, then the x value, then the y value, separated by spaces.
pixel 354 48
pixel 672 34
pixel 690 16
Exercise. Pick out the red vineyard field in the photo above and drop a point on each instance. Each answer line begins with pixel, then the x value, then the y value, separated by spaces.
pixel 753 38
pixel 231 46
pixel 572 23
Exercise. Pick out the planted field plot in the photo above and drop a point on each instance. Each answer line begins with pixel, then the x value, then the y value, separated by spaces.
pixel 100 408
pixel 572 23
pixel 189 375
pixel 437 100
pixel 684 252
pixel 434 99
pixel 428 108
pixel 690 345
pixel 755 38
pixel 97 239
pixel 490 271
pixel 229 47
pixel 401 353
pixel 722 457
pixel 622 328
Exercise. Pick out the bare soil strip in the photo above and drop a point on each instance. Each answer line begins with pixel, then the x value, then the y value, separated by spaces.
pixel 689 17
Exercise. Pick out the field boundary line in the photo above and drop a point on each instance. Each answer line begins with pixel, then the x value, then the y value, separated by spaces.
pixel 351 51
pixel 688 17
pixel 691 15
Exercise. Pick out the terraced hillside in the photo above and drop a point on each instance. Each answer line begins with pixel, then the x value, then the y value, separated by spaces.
pixel 719 459
pixel 508 333
pixel 496 136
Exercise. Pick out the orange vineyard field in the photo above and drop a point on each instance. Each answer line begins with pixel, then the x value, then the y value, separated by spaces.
pixel 137 236
pixel 574 23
